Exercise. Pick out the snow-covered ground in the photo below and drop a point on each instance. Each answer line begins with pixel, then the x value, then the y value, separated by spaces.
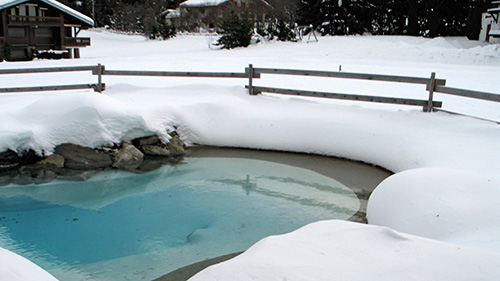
pixel 437 217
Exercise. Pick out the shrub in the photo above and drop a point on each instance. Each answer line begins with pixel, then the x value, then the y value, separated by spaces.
pixel 5 51
pixel 167 30
pixel 284 30
pixel 236 31
pixel 277 27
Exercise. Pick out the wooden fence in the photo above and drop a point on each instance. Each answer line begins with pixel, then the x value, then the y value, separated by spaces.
pixel 96 70
pixel 433 84
pixel 426 104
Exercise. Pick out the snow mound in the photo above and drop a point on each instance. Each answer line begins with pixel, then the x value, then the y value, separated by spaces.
pixel 453 43
pixel 451 206
pixel 350 251
pixel 86 119
pixel 14 267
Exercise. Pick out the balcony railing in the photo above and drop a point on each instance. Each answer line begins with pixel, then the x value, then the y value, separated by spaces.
pixel 76 41
pixel 23 20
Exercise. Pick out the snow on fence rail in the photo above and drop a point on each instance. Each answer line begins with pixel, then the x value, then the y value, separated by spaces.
pixel 433 84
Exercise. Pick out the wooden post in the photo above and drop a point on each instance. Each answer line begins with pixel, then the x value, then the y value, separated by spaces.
pixel 250 79
pixel 431 88
pixel 76 52
pixel 100 70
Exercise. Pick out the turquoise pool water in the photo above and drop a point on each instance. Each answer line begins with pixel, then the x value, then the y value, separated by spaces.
pixel 124 226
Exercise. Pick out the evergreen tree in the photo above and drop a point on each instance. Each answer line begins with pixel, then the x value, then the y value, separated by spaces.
pixel 413 17
pixel 166 30
pixel 310 12
pixel 474 18
pixel 236 31
pixel 281 27
pixel 413 28
pixel 335 17
pixel 284 30
pixel 389 18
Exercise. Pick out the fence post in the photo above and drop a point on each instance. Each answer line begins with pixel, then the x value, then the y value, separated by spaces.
pixel 100 70
pixel 250 79
pixel 431 86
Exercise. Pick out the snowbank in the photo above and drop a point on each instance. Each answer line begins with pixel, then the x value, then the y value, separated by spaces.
pixel 456 206
pixel 81 118
pixel 340 250
pixel 15 267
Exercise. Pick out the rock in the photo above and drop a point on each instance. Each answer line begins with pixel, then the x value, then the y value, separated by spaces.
pixel 83 158
pixel 176 146
pixel 128 157
pixel 55 160
pixel 155 150
pixel 74 162
pixel 151 140
pixel 153 145
pixel 29 157
pixel 9 160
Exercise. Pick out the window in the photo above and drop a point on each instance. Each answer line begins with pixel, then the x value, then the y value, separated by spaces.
pixel 43 32
pixel 22 10
pixel 32 10
pixel 41 12
pixel 18 54
pixel 17 32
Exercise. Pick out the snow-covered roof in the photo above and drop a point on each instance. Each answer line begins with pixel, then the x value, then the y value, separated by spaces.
pixel 172 13
pixel 210 3
pixel 494 10
pixel 202 3
pixel 9 3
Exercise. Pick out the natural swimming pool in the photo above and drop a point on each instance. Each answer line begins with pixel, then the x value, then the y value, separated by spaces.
pixel 119 225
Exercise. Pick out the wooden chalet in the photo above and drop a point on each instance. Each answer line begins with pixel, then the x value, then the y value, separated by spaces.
pixel 31 27
pixel 490 31
pixel 206 14
pixel 494 27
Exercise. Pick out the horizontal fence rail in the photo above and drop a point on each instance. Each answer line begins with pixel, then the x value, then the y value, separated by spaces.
pixel 468 93
pixel 433 84
pixel 348 75
pixel 49 88
pixel 376 99
pixel 99 87
pixel 427 105
pixel 48 69
pixel 178 74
